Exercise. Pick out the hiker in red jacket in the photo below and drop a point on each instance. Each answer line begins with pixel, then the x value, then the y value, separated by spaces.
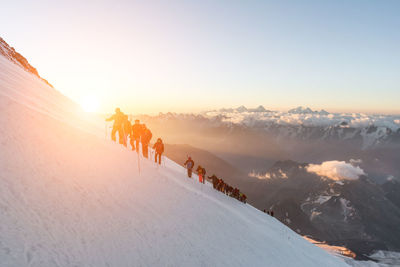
pixel 201 172
pixel 159 149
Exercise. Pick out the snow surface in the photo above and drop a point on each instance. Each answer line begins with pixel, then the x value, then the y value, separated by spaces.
pixel 68 197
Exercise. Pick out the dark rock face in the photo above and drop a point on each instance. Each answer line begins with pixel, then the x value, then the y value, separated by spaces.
pixel 10 53
pixel 392 191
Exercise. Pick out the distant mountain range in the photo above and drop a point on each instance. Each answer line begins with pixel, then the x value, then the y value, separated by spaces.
pixel 304 124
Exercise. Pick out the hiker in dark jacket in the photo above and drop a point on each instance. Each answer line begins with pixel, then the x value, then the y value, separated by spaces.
pixel 145 140
pixel 229 190
pixel 135 136
pixel 118 119
pixel 159 149
pixel 127 128
pixel 189 164
pixel 235 193
pixel 214 179
pixel 244 198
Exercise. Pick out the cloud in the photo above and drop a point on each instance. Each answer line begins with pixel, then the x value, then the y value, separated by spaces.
pixel 313 118
pixel 259 175
pixel 268 175
pixel 355 162
pixel 336 170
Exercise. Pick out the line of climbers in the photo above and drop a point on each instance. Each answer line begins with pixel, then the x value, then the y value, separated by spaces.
pixel 218 184
pixel 137 133
pixel 269 212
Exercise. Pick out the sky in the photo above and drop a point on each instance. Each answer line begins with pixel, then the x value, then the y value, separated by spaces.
pixel 188 56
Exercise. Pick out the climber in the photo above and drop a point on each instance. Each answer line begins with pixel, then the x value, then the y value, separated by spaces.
pixel 159 149
pixel 189 166
pixel 214 179
pixel 127 129
pixel 145 140
pixel 135 135
pixel 118 119
pixel 200 171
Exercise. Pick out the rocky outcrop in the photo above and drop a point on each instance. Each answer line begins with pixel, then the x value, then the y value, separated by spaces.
pixel 10 53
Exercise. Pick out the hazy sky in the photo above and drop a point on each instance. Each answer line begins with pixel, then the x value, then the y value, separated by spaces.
pixel 150 56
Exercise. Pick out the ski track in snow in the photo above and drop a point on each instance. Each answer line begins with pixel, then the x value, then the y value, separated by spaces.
pixel 70 198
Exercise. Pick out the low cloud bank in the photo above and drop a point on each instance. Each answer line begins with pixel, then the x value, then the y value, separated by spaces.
pixel 336 170
pixel 259 175
pixel 305 117
pixel 267 175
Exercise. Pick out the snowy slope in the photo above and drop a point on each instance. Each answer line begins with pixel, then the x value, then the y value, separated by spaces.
pixel 68 197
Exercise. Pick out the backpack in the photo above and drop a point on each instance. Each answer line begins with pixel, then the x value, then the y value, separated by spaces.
pixel 189 164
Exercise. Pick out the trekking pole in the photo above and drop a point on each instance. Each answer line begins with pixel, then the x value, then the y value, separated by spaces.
pixel 138 162
pixel 105 131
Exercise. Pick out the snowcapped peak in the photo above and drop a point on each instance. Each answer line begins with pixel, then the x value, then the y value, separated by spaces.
pixel 260 108
pixel 307 110
pixel 242 109
pixel 301 110
pixel 323 112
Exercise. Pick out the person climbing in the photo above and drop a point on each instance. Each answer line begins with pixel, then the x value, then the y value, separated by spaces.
pixel 136 133
pixel 244 199
pixel 159 149
pixel 199 171
pixel 189 166
pixel 229 190
pixel 235 193
pixel 145 139
pixel 203 172
pixel 271 213
pixel 127 128
pixel 214 180
pixel 118 119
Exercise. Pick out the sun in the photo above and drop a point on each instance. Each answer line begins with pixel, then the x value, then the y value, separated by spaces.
pixel 90 103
